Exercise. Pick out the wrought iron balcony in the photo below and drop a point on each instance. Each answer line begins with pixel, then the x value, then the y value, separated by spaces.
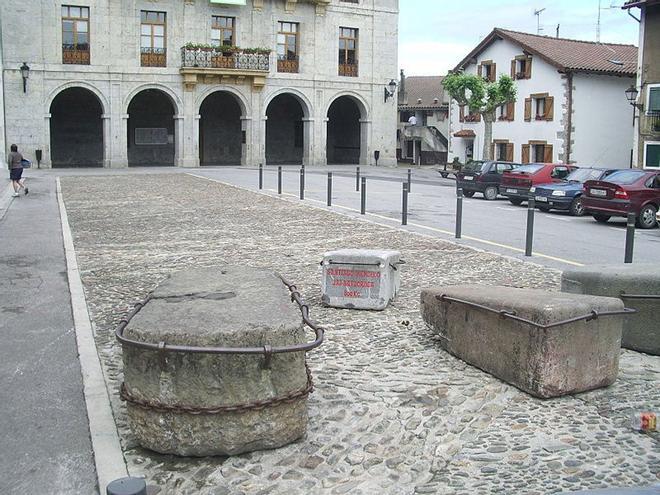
pixel 652 121
pixel 349 70
pixel 75 54
pixel 287 65
pixel 210 64
pixel 153 57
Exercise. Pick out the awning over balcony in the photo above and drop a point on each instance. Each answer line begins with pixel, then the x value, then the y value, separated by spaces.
pixel 465 133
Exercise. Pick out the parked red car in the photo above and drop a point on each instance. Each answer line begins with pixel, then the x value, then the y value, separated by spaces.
pixel 636 191
pixel 516 183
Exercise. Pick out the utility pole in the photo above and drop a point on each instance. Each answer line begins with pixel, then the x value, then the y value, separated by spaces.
pixel 537 13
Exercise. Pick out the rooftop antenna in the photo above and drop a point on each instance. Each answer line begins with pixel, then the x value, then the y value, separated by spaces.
pixel 557 35
pixel 537 13
pixel 610 7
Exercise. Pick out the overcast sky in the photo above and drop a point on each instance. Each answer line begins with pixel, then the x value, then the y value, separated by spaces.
pixel 434 35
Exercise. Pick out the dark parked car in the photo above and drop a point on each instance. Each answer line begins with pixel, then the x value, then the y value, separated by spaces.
pixel 516 184
pixel 567 195
pixel 483 177
pixel 636 191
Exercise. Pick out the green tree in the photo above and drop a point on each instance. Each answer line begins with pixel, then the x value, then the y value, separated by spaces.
pixel 481 96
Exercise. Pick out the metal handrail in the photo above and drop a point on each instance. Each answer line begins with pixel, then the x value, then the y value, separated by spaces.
pixel 639 296
pixel 265 350
pixel 513 315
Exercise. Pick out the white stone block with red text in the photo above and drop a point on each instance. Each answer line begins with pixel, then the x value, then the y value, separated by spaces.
pixel 360 278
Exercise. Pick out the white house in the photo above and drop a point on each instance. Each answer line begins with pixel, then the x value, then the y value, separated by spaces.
pixel 426 142
pixel 162 82
pixel 571 105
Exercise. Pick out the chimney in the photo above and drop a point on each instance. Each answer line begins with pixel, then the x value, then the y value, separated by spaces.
pixel 403 97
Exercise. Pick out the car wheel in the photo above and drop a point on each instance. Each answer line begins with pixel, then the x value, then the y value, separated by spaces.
pixel 490 193
pixel 515 201
pixel 468 194
pixel 544 209
pixel 577 208
pixel 601 218
pixel 646 218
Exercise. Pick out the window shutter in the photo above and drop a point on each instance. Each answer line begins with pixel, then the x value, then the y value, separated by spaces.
pixel 461 113
pixel 479 70
pixel 510 111
pixel 493 72
pixel 549 108
pixel 509 152
pixel 547 153
pixel 513 69
pixel 477 117
pixel 528 68
pixel 528 109
pixel 525 153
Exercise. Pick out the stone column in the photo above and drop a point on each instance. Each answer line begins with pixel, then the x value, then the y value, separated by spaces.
pixel 107 140
pixel 261 140
pixel 195 133
pixel 365 135
pixel 247 147
pixel 119 157
pixel 179 141
pixel 308 142
pixel 322 142
pixel 46 161
pixel 189 154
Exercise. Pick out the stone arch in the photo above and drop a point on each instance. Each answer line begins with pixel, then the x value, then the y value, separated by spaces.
pixel 305 104
pixel 76 126
pixel 287 128
pixel 175 99
pixel 152 127
pixel 221 135
pixel 347 129
pixel 77 84
pixel 240 97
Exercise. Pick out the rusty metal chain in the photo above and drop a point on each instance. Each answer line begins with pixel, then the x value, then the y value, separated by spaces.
pixel 257 405
pixel 594 315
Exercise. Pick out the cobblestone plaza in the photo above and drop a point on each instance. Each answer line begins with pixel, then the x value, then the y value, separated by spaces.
pixel 391 412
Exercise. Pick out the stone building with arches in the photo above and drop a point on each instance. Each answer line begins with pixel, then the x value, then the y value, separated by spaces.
pixel 103 83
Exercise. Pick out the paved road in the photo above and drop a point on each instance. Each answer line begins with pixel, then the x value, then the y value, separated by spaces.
pixel 560 241
pixel 45 446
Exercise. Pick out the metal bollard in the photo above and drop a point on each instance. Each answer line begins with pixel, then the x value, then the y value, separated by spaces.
pixel 630 238
pixel 329 202
pixel 459 212
pixel 261 176
pixel 279 180
pixel 404 207
pixel 529 238
pixel 363 196
pixel 357 178
pixel 302 169
pixel 127 486
pixel 409 180
pixel 302 183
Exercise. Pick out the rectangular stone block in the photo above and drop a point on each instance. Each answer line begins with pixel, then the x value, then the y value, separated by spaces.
pixel 641 331
pixel 360 278
pixel 544 362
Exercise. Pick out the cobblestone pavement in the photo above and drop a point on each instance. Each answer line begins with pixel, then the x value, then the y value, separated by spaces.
pixel 392 413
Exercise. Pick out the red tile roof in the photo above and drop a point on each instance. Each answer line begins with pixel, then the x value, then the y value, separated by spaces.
pixel 638 3
pixel 566 54
pixel 426 89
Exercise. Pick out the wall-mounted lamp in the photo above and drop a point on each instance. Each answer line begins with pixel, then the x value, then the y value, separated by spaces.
pixel 390 89
pixel 25 73
pixel 631 96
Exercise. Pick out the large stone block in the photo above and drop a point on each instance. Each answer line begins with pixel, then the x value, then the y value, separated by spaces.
pixel 216 307
pixel 545 362
pixel 631 490
pixel 641 331
pixel 360 278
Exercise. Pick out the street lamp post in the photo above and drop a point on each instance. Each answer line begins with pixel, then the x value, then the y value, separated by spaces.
pixel 631 96
pixel 25 73
pixel 390 89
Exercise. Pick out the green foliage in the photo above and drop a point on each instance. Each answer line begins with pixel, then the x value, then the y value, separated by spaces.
pixel 225 48
pixel 478 94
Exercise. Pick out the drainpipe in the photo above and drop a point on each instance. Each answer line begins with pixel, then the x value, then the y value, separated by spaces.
pixel 569 119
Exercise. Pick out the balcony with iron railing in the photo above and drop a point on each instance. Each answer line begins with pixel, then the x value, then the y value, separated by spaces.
pixel 348 70
pixel 289 65
pixel 651 122
pixel 223 62
pixel 75 53
pixel 153 57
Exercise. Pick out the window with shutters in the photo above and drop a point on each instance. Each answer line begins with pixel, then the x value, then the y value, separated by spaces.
pixel 539 106
pixel 652 154
pixel 502 150
pixel 521 67
pixel 653 99
pixel 506 112
pixel 487 69
pixel 75 35
pixel 468 116
pixel 153 52
pixel 223 30
pixel 348 52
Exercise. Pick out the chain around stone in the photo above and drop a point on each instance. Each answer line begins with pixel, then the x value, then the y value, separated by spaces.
pixel 258 405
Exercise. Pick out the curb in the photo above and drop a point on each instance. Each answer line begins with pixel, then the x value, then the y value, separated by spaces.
pixel 108 455
pixel 5 199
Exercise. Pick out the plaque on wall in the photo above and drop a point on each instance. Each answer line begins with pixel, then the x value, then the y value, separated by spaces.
pixel 151 135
